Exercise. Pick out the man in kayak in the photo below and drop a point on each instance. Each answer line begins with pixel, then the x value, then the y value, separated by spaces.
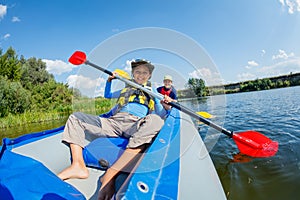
pixel 168 88
pixel 137 116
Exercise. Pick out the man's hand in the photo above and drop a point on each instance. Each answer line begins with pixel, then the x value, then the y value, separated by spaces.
pixel 165 102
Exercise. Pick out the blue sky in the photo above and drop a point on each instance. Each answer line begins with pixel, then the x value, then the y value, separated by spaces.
pixel 246 39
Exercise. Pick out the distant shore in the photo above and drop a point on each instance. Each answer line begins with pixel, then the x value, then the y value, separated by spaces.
pixel 289 80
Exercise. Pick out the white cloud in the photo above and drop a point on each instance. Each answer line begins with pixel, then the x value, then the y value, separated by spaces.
pixel 128 66
pixel 99 92
pixel 6 36
pixel 251 64
pixel 282 55
pixel 298 5
pixel 3 11
pixel 201 73
pixel 210 77
pixel 86 85
pixel 263 52
pixel 282 2
pixel 15 19
pixel 292 5
pixel 246 76
pixel 79 81
pixel 57 67
pixel 281 68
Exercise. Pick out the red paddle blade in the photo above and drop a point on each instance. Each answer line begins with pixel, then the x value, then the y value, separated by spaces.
pixel 255 144
pixel 77 58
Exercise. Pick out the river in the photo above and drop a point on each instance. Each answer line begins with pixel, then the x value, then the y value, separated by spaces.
pixel 30 128
pixel 274 113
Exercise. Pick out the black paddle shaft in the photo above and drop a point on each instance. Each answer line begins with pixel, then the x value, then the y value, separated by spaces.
pixel 200 118
pixel 160 97
pixel 98 67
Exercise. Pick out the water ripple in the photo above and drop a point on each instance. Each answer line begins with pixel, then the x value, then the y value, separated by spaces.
pixel 274 113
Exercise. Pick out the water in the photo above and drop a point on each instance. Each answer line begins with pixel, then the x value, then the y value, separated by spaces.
pixel 274 113
pixel 30 128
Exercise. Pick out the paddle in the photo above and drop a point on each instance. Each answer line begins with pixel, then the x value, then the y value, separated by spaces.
pixel 122 73
pixel 125 75
pixel 251 143
pixel 205 114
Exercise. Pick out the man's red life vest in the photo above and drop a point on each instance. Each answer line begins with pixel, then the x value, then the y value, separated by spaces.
pixel 165 92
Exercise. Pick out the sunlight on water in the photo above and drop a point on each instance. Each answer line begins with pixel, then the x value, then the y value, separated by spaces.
pixel 276 114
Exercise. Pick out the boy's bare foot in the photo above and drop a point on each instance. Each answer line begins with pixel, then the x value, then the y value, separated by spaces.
pixel 74 171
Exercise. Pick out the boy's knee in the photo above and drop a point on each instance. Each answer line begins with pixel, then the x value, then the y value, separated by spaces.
pixel 157 120
pixel 76 114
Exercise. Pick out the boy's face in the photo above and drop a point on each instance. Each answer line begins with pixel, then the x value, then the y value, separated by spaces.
pixel 141 74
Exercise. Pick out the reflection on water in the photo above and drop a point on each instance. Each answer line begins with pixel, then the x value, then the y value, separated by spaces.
pixel 30 128
pixel 276 114
pixel 240 158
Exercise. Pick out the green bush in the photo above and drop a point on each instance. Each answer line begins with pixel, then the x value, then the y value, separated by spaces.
pixel 13 97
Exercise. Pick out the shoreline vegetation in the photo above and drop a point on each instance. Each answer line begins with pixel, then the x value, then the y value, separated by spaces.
pixel 12 120
pixel 30 94
pixel 197 86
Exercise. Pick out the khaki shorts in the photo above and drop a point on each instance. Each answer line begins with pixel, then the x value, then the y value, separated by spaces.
pixel 81 128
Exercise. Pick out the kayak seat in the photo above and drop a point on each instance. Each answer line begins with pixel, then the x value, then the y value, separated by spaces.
pixel 101 153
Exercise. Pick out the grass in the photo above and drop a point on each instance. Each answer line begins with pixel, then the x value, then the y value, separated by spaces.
pixel 30 117
pixel 91 106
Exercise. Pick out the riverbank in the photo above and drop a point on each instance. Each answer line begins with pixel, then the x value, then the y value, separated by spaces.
pixel 30 117
pixel 92 106
pixel 283 81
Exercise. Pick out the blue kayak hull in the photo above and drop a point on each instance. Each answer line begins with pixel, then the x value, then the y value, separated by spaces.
pixel 175 166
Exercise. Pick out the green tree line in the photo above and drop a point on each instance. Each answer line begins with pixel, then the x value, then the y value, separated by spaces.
pixel 30 94
pixel 26 86
pixel 266 84
pixel 196 87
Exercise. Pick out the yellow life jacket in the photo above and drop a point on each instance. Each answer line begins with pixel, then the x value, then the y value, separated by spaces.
pixel 131 94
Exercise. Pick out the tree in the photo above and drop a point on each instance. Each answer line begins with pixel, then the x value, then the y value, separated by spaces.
pixel 13 97
pixel 34 72
pixel 197 86
pixel 51 95
pixel 26 85
pixel 10 67
pixel 279 83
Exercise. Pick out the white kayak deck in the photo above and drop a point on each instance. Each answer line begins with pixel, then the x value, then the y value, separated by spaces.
pixel 197 179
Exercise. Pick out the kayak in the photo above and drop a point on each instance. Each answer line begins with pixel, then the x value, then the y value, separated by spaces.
pixel 176 165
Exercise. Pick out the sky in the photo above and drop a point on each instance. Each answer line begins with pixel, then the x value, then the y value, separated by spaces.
pixel 244 40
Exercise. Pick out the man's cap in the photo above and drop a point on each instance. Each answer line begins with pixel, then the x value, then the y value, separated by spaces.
pixel 168 77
